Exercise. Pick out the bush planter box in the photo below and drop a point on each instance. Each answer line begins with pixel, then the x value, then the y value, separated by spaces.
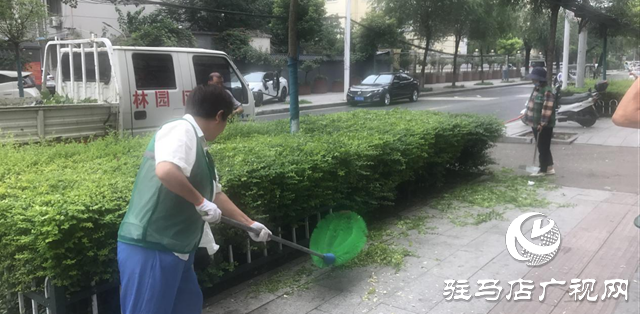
pixel 320 87
pixel 304 90
pixel 448 77
pixel 337 87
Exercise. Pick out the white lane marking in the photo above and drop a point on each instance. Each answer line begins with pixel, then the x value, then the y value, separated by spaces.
pixel 436 108
pixel 459 98
pixel 523 96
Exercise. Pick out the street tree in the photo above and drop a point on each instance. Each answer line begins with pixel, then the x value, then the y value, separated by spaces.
pixel 460 25
pixel 151 30
pixel 490 21
pixel 426 19
pixel 550 9
pixel 533 28
pixel 19 20
pixel 509 46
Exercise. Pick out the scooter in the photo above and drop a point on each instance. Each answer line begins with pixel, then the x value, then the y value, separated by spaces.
pixel 578 108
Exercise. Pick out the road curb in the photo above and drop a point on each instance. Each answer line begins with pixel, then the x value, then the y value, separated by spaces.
pixel 344 103
pixel 302 108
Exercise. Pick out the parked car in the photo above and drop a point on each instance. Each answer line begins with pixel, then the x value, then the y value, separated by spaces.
pixel 383 88
pixel 267 84
pixel 9 94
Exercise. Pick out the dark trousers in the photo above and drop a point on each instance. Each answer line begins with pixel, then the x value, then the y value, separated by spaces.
pixel 544 147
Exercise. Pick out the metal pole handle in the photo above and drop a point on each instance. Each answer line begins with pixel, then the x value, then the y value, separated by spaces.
pixel 255 231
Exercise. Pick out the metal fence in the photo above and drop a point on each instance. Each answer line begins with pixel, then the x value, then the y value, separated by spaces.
pixel 104 298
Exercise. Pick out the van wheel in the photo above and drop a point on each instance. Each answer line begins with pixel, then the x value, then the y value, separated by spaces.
pixel 259 99
pixel 283 95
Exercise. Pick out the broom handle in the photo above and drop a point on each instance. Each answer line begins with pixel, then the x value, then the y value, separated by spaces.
pixel 535 150
pixel 244 227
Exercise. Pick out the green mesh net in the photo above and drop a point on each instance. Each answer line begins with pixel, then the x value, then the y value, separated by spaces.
pixel 343 234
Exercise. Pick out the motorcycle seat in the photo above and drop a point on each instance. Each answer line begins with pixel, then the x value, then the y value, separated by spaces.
pixel 574 99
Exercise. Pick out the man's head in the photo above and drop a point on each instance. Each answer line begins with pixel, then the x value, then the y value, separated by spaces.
pixel 216 79
pixel 210 105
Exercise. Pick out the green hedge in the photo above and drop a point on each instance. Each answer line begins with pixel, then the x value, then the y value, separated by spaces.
pixel 61 204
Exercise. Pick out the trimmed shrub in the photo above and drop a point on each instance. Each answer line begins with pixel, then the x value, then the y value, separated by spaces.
pixel 61 204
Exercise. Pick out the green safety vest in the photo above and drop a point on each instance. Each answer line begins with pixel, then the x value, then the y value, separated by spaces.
pixel 159 219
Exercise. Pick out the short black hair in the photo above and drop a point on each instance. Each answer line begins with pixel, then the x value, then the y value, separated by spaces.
pixel 207 100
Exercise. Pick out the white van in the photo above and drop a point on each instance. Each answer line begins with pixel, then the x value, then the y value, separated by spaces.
pixel 149 85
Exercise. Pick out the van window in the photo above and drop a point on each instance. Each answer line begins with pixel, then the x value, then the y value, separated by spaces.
pixel 205 65
pixel 7 79
pixel 153 71
pixel 103 60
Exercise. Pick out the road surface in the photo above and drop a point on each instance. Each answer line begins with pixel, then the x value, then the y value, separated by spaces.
pixel 504 103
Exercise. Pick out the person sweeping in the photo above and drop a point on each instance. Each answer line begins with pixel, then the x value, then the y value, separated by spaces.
pixel 541 116
pixel 175 197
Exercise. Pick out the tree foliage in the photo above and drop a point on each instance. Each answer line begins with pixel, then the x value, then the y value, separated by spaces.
pixel 200 20
pixel 509 46
pixel 311 19
pixel 152 30
pixel 376 30
pixel 19 19
pixel 236 43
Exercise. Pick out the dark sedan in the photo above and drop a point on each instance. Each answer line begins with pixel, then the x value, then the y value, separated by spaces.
pixel 383 88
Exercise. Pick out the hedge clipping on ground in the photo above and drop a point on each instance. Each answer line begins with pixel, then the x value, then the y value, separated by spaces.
pixel 61 204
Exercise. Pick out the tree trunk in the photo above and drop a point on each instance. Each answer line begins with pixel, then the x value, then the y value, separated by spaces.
pixel 551 49
pixel 294 108
pixel 481 65
pixel 424 61
pixel 527 58
pixel 19 69
pixel 455 61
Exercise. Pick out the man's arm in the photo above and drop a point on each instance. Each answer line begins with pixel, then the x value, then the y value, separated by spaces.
pixel 173 179
pixel 628 112
pixel 229 209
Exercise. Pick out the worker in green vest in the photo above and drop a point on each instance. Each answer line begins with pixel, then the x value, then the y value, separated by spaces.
pixel 175 197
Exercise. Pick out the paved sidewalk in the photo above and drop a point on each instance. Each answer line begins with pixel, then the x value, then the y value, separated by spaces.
pixel 599 241
pixel 319 101
pixel 604 132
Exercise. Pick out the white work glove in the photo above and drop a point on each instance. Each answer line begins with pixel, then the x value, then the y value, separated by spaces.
pixel 264 233
pixel 209 211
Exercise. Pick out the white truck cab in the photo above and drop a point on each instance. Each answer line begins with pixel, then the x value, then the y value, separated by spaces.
pixel 148 85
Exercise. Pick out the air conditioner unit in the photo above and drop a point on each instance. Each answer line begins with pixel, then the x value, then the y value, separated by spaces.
pixel 55 22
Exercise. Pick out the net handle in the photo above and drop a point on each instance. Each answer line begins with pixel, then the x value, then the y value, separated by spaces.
pixel 290 244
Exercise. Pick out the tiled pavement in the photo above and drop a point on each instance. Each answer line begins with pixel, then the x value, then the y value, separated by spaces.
pixel 599 242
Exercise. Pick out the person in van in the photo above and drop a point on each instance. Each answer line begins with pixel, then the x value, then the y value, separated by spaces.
pixel 541 116
pixel 175 194
pixel 216 79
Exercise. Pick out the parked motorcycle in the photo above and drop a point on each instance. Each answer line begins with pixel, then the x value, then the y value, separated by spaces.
pixel 578 108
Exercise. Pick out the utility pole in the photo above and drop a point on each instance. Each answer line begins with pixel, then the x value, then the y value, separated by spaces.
pixel 565 50
pixel 604 55
pixel 347 48
pixel 294 108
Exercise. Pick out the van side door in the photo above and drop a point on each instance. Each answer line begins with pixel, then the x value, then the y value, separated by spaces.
pixel 156 89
